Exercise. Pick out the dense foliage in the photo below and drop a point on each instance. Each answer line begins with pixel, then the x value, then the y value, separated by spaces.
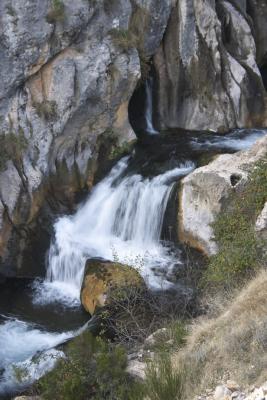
pixel 92 369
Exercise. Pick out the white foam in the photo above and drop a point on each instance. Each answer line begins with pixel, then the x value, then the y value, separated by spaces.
pixel 121 220
pixel 30 370
pixel 232 141
pixel 19 342
pixel 149 107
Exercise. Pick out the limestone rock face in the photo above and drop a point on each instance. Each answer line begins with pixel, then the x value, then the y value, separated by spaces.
pixel 206 71
pixel 258 12
pixel 106 282
pixel 205 192
pixel 64 92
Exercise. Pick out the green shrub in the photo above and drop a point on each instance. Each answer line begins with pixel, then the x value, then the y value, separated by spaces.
pixel 118 151
pixel 163 381
pixel 56 13
pixel 92 369
pixel 11 147
pixel 171 338
pixel 46 109
pixel 11 11
pixel 240 250
pixel 123 38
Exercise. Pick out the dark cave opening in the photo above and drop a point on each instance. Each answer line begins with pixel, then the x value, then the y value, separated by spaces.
pixel 137 106
pixel 142 112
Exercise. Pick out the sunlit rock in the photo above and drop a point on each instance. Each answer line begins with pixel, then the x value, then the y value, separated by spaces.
pixel 205 191
pixel 105 283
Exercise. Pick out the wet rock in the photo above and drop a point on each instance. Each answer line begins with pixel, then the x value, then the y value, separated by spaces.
pixel 205 191
pixel 107 283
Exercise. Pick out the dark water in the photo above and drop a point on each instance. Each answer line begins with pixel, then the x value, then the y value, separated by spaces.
pixel 16 301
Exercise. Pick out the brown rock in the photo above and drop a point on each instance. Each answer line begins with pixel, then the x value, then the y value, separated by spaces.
pixel 104 282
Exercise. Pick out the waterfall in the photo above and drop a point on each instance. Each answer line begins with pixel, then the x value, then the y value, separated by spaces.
pixel 149 106
pixel 121 219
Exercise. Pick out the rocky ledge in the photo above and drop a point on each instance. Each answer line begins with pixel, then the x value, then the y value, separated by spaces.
pixel 206 191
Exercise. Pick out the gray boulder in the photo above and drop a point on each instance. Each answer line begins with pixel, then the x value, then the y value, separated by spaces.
pixel 205 191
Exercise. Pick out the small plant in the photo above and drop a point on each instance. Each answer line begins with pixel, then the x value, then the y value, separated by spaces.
pixel 118 151
pixel 163 381
pixel 145 65
pixel 171 338
pixel 123 38
pixel 11 147
pixel 56 12
pixel 21 374
pixel 11 11
pixel 46 109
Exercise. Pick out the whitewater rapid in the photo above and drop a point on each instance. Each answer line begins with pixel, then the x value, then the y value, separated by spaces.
pixel 121 220
pixel 19 343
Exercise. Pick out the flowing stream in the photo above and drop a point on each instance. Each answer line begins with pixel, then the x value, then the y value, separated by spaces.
pixel 122 219
pixel 149 107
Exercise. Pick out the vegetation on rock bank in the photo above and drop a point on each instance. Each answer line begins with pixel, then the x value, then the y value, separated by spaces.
pixel 11 147
pixel 241 251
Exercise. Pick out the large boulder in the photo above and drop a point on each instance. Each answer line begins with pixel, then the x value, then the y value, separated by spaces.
pixel 107 282
pixel 205 191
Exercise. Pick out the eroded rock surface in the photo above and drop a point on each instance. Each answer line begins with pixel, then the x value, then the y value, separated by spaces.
pixel 207 76
pixel 105 283
pixel 205 191
pixel 67 75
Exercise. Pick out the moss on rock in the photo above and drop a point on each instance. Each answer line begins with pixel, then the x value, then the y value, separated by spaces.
pixel 105 282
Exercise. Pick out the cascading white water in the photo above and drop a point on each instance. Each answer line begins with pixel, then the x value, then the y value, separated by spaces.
pixel 149 106
pixel 122 219
pixel 19 343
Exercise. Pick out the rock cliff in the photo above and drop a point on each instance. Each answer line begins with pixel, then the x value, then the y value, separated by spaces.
pixel 68 70
pixel 206 71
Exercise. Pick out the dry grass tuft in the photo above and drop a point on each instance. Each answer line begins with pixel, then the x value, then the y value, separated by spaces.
pixel 231 345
